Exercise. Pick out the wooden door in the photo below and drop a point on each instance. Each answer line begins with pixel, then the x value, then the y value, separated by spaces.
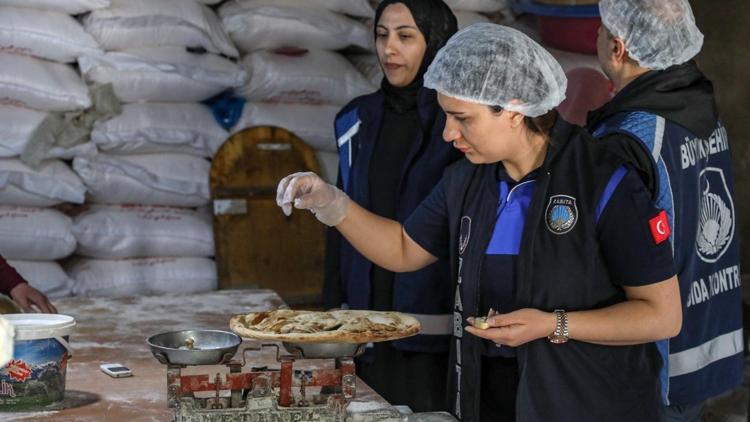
pixel 256 244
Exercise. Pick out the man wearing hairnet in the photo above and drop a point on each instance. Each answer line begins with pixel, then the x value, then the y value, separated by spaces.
pixel 550 239
pixel 664 114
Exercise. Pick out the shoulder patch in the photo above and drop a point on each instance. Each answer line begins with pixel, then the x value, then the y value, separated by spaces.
pixel 660 227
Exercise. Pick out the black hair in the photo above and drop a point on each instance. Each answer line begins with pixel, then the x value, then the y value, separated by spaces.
pixel 540 125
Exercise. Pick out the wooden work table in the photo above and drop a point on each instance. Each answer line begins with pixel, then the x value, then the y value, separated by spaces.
pixel 114 330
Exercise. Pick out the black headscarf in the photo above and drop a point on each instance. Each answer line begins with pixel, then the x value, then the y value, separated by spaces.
pixel 437 23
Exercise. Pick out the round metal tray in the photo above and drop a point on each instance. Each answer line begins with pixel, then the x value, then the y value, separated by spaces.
pixel 323 350
pixel 209 347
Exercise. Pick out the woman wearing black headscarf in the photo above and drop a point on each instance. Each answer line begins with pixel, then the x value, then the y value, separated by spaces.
pixel 391 156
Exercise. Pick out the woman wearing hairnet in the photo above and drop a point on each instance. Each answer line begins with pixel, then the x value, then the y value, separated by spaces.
pixel 549 234
pixel 391 155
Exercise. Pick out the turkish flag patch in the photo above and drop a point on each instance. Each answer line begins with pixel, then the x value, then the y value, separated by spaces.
pixel 660 227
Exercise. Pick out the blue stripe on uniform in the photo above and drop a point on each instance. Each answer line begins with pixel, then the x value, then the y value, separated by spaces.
pixel 342 125
pixel 614 182
pixel 511 216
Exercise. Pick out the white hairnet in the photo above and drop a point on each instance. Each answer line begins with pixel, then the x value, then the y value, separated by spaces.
pixel 657 33
pixel 496 65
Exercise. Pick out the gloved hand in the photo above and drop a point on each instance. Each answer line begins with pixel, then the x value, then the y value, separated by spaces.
pixel 308 191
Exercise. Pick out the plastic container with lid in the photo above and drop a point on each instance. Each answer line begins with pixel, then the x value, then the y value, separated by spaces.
pixel 35 377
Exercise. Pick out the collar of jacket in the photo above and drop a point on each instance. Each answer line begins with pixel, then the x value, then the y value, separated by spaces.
pixel 427 106
pixel 559 137
pixel 681 94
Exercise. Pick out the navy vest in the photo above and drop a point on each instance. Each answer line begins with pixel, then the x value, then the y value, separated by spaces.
pixel 559 267
pixel 694 185
pixel 427 291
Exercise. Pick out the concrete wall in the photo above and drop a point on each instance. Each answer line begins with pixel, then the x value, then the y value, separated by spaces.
pixel 726 61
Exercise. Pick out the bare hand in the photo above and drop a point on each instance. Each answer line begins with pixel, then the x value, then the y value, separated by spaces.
pixel 516 328
pixel 28 297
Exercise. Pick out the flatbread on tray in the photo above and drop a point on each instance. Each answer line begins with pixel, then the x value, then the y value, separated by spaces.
pixel 345 326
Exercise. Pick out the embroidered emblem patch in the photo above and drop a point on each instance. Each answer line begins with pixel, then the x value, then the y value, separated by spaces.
pixel 660 227
pixel 562 214
pixel 464 234
pixel 716 216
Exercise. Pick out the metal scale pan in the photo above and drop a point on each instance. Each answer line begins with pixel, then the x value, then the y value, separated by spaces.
pixel 194 347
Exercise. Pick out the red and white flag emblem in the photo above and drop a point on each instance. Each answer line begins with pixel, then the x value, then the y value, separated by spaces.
pixel 660 227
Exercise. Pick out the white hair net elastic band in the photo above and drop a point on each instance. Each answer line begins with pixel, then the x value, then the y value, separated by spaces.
pixel 496 65
pixel 657 33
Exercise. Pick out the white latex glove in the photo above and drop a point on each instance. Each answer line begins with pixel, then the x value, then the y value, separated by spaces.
pixel 307 191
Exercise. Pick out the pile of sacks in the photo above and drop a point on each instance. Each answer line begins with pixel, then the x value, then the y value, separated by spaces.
pixel 40 42
pixel 144 232
pixel 298 79
pixel 162 58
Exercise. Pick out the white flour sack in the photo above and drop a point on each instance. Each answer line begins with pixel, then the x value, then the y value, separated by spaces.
pixel 145 128
pixel 469 18
pixel 40 84
pixel 17 124
pixel 144 23
pixel 142 276
pixel 311 123
pixel 312 77
pixel 71 7
pixel 51 184
pixel 486 6
pixel 166 74
pixel 46 276
pixel 259 26
pixel 153 179
pixel 48 35
pixel 329 165
pixel 132 231
pixel 35 234
pixel 359 8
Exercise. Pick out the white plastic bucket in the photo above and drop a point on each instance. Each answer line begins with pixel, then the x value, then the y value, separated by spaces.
pixel 35 377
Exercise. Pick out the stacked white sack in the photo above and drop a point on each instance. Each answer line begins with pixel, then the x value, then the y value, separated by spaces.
pixel 144 249
pixel 477 6
pixel 318 24
pixel 40 41
pixel 296 80
pixel 147 23
pixel 147 128
pixel 133 231
pixel 47 277
pixel 162 57
pixel 162 74
pixel 179 180
pixel 70 7
pixel 142 276
pixel 17 124
pixel 33 238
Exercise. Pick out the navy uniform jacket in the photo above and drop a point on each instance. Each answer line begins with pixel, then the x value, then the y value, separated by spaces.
pixel 561 265
pixel 670 118
pixel 425 293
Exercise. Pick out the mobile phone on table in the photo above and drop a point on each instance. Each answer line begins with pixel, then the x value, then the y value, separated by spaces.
pixel 116 370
